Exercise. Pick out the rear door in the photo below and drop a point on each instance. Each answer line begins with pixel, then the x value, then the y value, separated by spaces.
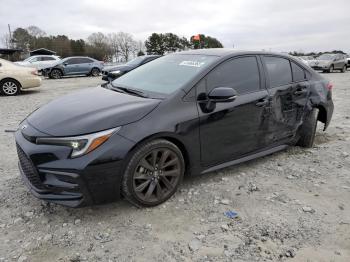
pixel 85 65
pixel 289 91
pixel 231 130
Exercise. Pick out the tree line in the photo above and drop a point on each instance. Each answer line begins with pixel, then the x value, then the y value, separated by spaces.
pixel 119 46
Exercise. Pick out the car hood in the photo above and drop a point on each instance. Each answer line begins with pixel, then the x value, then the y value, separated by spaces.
pixel 90 111
pixel 323 62
pixel 119 67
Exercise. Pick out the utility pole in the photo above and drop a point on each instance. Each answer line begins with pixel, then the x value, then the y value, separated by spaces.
pixel 10 36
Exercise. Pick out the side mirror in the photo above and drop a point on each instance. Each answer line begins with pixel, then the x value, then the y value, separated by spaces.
pixel 222 95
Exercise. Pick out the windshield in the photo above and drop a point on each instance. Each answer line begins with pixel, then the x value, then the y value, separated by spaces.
pixel 326 57
pixel 166 74
pixel 135 61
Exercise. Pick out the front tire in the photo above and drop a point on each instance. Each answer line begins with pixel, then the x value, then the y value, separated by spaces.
pixel 307 130
pixel 344 69
pixel 56 74
pixel 153 173
pixel 331 69
pixel 10 87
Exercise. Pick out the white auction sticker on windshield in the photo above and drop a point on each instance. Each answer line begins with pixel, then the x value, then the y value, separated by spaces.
pixel 192 63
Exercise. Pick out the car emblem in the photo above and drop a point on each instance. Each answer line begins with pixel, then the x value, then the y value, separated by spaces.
pixel 24 127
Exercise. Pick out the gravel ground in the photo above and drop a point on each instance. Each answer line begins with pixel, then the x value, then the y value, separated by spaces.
pixel 293 205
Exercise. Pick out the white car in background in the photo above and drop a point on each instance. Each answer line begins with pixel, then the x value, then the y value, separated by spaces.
pixel 13 78
pixel 39 61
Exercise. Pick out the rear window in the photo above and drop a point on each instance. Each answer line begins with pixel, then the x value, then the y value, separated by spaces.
pixel 279 71
pixel 166 74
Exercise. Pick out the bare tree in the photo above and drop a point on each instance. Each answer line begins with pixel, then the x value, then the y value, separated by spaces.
pixel 6 40
pixel 35 31
pixel 113 43
pixel 127 45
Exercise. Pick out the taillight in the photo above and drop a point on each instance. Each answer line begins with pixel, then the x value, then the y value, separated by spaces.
pixel 34 72
pixel 330 86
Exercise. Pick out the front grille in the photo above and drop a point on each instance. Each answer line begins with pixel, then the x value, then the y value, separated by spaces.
pixel 29 170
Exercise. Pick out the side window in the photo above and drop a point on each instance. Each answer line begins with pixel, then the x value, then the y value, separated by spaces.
pixel 84 60
pixel 298 73
pixel 35 59
pixel 279 71
pixel 71 61
pixel 47 58
pixel 241 73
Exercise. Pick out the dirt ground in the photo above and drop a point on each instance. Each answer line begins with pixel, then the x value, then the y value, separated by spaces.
pixel 292 206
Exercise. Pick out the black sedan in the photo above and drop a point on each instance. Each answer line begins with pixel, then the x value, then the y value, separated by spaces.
pixel 187 113
pixel 111 73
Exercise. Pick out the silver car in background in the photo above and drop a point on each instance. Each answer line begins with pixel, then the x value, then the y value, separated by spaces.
pixel 330 62
pixel 39 61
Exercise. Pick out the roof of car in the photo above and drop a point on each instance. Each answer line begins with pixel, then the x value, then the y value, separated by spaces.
pixel 221 52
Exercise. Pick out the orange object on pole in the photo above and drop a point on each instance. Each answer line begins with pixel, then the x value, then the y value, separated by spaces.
pixel 197 37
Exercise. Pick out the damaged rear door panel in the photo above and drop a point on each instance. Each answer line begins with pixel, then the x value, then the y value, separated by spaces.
pixel 289 91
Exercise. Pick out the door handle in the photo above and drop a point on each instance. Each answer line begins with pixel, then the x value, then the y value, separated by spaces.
pixel 262 102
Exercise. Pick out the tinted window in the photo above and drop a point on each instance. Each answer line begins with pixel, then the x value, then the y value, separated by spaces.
pixel 242 74
pixel 47 58
pixel 84 60
pixel 279 71
pixel 166 74
pixel 298 73
pixel 71 61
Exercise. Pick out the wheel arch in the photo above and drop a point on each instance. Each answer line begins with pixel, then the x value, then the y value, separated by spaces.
pixel 12 79
pixel 57 68
pixel 322 114
pixel 171 138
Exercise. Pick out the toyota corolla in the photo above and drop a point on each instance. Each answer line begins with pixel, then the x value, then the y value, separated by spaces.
pixel 183 114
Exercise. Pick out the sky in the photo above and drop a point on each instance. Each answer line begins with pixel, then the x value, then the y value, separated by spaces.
pixel 276 25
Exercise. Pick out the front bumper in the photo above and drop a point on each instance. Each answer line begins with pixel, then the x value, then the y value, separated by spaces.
pixel 320 67
pixel 91 179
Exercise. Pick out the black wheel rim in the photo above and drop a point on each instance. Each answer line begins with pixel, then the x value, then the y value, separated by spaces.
pixel 156 175
pixel 56 74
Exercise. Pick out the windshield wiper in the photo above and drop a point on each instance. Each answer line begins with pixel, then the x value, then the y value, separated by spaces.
pixel 130 91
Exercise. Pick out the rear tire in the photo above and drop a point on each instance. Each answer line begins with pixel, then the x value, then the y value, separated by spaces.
pixel 56 74
pixel 95 72
pixel 10 87
pixel 307 130
pixel 153 173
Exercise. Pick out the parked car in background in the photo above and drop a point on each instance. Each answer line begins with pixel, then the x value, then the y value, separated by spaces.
pixel 330 62
pixel 111 73
pixel 348 62
pixel 184 113
pixel 308 60
pixel 39 61
pixel 76 65
pixel 13 78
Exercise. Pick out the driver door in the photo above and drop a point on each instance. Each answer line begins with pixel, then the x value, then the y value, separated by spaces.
pixel 233 129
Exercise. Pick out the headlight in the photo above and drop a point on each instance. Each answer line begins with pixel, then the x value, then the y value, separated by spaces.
pixel 80 145
pixel 116 72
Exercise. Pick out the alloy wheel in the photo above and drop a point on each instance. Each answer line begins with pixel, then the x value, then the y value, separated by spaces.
pixel 9 88
pixel 156 175
pixel 56 74
pixel 95 72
